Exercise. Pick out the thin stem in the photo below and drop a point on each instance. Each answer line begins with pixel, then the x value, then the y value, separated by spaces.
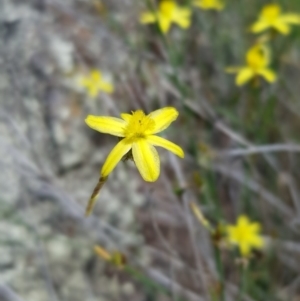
pixel 220 270
pixel 243 281
pixel 261 149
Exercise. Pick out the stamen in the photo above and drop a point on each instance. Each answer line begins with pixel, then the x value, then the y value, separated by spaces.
pixel 139 125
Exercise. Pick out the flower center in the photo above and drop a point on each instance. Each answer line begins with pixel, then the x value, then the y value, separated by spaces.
pixel 139 125
pixel 257 58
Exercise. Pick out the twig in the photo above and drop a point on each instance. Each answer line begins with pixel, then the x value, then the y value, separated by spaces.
pixel 260 149
pixel 256 187
pixel 189 220
pixel 222 127
pixel 288 180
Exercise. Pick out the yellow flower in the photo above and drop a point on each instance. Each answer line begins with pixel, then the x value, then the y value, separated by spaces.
pixel 94 83
pixel 137 131
pixel 271 17
pixel 257 62
pixel 246 235
pixel 169 12
pixel 209 4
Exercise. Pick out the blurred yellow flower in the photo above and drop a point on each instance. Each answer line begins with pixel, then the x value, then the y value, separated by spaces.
pixel 209 4
pixel 246 235
pixel 94 83
pixel 168 12
pixel 137 132
pixel 272 17
pixel 257 62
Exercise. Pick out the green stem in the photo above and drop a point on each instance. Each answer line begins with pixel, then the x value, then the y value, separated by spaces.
pixel 243 281
pixel 148 283
pixel 220 270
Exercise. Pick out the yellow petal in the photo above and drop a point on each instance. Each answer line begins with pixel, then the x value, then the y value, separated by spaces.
pixel 282 27
pixel 268 74
pixel 167 7
pixel 146 159
pixel 172 147
pixel 164 24
pixel 290 18
pixel 95 75
pixel 245 249
pixel 126 117
pixel 209 4
pixel 106 87
pixel 183 22
pixel 117 153
pixel 182 17
pixel 106 124
pixel 271 11
pixel 147 18
pixel 92 91
pixel 244 76
pixel 255 227
pixel 257 241
pixel 163 118
pixel 243 221
pixel 260 26
pixel 233 69
pixel 258 56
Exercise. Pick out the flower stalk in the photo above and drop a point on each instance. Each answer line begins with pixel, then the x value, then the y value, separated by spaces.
pixel 94 195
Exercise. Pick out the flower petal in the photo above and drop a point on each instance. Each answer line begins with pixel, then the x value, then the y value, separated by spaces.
pixel 163 118
pixel 243 221
pixel 290 18
pixel 126 117
pixel 233 69
pixel 244 76
pixel 259 26
pixel 106 87
pixel 257 241
pixel 282 27
pixel 148 17
pixel 167 7
pixel 117 153
pixel 245 248
pixel 95 75
pixel 268 74
pixel 255 228
pixel 146 159
pixel 258 56
pixel 164 24
pixel 162 142
pixel 106 124
pixel 206 5
pixel 182 16
pixel 270 11
pixel 93 91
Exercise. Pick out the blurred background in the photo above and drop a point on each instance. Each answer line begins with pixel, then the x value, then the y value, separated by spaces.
pixel 241 154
